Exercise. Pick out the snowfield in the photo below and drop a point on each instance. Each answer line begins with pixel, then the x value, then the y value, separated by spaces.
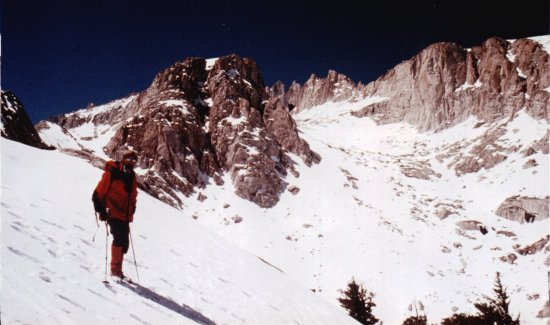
pixel 355 214
pixel 358 215
pixel 52 268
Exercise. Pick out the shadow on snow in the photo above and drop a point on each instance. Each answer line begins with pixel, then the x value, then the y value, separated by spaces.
pixel 182 309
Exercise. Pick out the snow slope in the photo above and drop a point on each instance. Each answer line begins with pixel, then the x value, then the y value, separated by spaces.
pixel 358 215
pixel 52 267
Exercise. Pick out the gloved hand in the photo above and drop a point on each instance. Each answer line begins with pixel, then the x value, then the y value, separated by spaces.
pixel 103 214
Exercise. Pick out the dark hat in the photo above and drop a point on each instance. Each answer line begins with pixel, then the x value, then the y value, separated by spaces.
pixel 129 154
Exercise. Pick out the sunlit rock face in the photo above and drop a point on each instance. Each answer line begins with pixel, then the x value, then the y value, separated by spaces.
pixel 197 121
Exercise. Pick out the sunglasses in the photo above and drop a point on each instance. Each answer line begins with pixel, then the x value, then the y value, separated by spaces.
pixel 130 159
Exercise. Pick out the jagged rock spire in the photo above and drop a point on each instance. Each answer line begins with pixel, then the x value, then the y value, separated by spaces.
pixel 195 123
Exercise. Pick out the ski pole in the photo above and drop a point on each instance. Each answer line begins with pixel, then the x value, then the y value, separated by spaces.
pixel 106 249
pixel 95 233
pixel 133 252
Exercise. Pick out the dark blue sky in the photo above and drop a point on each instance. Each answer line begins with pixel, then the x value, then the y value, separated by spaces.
pixel 60 55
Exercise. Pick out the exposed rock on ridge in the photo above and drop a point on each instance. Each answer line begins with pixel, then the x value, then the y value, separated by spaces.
pixel 442 86
pixel 315 91
pixel 282 127
pixel 16 124
pixel 194 123
pixel 242 143
pixel 165 125
pixel 445 83
pixel 518 207
pixel 111 116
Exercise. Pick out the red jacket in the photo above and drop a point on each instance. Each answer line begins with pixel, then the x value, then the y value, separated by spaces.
pixel 117 191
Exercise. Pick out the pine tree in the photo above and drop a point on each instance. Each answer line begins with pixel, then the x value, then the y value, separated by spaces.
pixel 416 320
pixel 495 310
pixel 463 319
pixel 359 303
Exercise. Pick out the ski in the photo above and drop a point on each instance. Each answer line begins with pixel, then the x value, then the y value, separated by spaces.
pixel 119 281
pixel 124 280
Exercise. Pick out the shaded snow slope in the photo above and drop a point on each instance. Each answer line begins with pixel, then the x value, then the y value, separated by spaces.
pixel 52 268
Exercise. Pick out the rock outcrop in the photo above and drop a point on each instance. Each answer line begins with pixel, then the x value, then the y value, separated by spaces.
pixel 445 83
pixel 111 116
pixel 524 209
pixel 282 127
pixel 196 122
pixel 16 124
pixel 165 125
pixel 315 91
pixel 241 141
pixel 292 95
pixel 535 247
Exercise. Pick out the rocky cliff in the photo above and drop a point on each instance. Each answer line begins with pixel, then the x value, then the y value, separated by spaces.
pixel 16 124
pixel 199 120
pixel 446 83
pixel 520 208
pixel 443 85
pixel 315 91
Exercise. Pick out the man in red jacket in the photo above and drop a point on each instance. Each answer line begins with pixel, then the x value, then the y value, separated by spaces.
pixel 115 201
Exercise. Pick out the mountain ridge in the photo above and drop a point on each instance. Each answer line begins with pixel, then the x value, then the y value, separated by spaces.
pixel 238 95
pixel 441 81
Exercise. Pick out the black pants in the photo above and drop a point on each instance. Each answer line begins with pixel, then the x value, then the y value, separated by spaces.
pixel 121 233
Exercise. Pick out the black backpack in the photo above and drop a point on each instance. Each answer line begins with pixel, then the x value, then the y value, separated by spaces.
pixel 98 206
